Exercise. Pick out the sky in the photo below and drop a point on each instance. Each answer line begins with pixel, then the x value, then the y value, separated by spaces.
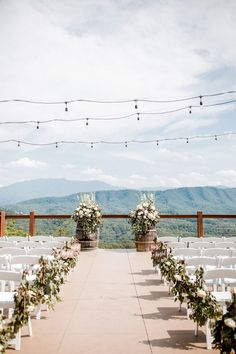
pixel 108 50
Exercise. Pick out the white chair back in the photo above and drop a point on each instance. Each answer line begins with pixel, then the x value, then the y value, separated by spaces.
pixel 215 252
pixel 206 262
pixel 40 238
pixel 17 238
pixel 39 251
pixel 4 263
pixel 228 262
pixel 20 263
pixel 8 244
pixel 221 277
pixel 29 244
pixel 186 252
pixel 177 245
pixel 52 244
pixel 226 244
pixel 201 245
pixel 12 251
pixel 10 279
pixel 230 239
pixel 167 238
pixel 62 238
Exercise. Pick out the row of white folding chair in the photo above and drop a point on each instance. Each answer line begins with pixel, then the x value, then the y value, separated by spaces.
pixel 37 238
pixel 29 244
pixel 202 244
pixel 167 239
pixel 197 252
pixel 22 251
pixel 9 281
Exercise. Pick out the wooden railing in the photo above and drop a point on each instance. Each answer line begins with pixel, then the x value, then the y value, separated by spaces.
pixel 32 217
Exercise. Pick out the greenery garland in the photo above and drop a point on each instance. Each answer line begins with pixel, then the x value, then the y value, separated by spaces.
pixel 224 331
pixel 202 303
pixel 45 289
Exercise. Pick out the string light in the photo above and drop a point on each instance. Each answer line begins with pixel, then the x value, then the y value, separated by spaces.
pixel 126 142
pixel 91 145
pixel 187 140
pixel 136 100
pixel 37 125
pixel 201 103
pixel 18 144
pixel 126 116
pixel 66 107
pixel 136 104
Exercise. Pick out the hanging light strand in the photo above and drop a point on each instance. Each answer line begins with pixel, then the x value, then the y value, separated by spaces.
pixel 124 143
pixel 126 116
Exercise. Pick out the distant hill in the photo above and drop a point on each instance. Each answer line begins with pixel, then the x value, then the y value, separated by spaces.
pixel 179 201
pixel 51 187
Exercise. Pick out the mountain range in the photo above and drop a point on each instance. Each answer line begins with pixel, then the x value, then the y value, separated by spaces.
pixel 180 201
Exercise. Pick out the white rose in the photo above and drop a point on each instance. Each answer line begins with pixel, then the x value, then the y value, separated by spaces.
pixel 139 206
pixel 229 322
pixel 30 308
pixel 145 212
pixel 201 293
pixel 177 277
pixel 145 205
pixel 98 214
pixel 168 263
pixel 152 207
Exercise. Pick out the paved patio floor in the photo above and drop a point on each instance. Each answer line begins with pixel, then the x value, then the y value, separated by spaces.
pixel 114 303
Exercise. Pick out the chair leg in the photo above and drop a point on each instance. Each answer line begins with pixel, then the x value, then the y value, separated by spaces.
pixel 196 330
pixel 208 335
pixel 29 324
pixel 38 312
pixel 18 340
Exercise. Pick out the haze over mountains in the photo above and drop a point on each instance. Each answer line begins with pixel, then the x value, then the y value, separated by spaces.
pixel 54 198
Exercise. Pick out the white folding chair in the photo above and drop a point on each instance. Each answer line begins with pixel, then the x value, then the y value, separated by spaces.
pixel 40 238
pixel 8 244
pixel 4 262
pixel 230 239
pixel 52 244
pixel 62 238
pixel 175 245
pixel 21 263
pixel 167 238
pixel 226 245
pixel 216 252
pixel 220 279
pixel 39 251
pixel 189 239
pixel 205 262
pixel 227 262
pixel 201 244
pixel 12 251
pixel 186 252
pixel 17 238
pixel 29 244
pixel 213 239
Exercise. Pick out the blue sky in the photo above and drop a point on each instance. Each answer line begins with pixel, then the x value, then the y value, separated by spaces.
pixel 112 50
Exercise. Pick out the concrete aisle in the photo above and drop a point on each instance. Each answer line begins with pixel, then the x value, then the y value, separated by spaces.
pixel 113 303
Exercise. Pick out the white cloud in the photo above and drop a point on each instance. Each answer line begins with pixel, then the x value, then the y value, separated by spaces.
pixel 68 166
pixel 227 173
pixel 28 163
pixel 92 172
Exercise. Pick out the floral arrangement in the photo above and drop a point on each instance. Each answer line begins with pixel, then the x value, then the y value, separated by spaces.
pixel 144 217
pixel 45 289
pixel 224 331
pixel 88 214
pixel 200 301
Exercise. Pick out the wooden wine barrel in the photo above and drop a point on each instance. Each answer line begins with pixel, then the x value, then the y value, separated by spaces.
pixel 88 240
pixel 145 243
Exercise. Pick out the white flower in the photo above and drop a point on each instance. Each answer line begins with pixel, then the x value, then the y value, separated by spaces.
pixel 177 277
pixel 168 263
pixel 201 293
pixel 145 205
pixel 30 308
pixel 229 322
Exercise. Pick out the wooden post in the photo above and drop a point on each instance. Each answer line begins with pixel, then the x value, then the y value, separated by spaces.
pixel 199 224
pixel 32 224
pixel 2 223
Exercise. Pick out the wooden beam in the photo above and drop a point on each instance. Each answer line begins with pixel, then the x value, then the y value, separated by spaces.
pixel 2 223
pixel 199 224
pixel 32 224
